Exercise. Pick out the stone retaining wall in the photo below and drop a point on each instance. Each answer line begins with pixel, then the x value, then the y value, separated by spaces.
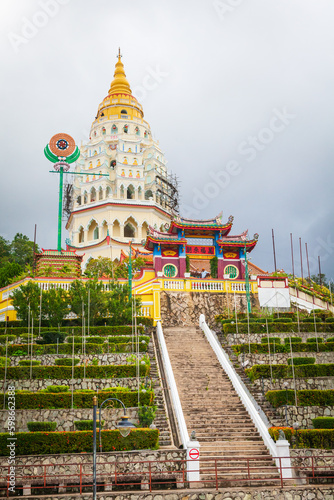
pixel 104 359
pixel 304 414
pixel 88 383
pixel 241 338
pixel 65 417
pixel 282 358
pixel 321 383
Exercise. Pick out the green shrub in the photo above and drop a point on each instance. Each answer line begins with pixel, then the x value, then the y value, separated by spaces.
pixel 283 320
pixel 329 320
pixel 65 372
pixel 301 361
pixel 3 361
pixel 304 398
pixel 146 415
pixel 144 321
pixel 322 439
pixel 66 361
pixel 52 338
pixel 43 443
pixel 312 340
pixel 22 349
pixel 285 371
pixel 57 388
pixel 294 340
pixel 278 327
pixel 81 399
pixel 311 320
pixel 87 425
pixel 10 338
pixel 330 339
pixel 323 422
pixel 41 426
pixel 28 362
pixel 288 431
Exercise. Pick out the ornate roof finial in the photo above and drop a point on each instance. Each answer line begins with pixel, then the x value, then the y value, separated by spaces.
pixel 119 85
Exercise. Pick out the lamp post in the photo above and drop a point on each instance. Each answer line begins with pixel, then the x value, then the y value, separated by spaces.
pixel 124 427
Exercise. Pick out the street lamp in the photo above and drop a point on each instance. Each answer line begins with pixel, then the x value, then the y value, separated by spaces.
pixel 124 427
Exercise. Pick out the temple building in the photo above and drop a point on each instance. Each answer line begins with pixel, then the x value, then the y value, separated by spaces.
pixel 127 187
pixel 200 241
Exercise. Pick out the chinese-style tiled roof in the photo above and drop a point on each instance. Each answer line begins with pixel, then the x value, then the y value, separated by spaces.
pixel 155 236
pixel 204 224
pixel 238 241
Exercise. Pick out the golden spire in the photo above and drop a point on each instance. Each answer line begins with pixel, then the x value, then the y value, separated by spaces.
pixel 119 85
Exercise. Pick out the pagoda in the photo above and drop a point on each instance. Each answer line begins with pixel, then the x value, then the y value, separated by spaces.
pixel 128 187
pixel 200 241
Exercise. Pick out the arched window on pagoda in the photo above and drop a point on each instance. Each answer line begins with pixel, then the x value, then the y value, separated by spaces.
pixel 81 234
pixel 96 233
pixel 100 193
pixel 93 195
pixel 103 131
pixel 130 193
pixel 129 231
pixel 85 198
pixel 114 129
pixel 122 192
pixel 137 131
pixel 148 194
pixel 140 193
pixel 79 200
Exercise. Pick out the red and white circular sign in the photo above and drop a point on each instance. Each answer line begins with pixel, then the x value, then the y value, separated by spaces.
pixel 194 454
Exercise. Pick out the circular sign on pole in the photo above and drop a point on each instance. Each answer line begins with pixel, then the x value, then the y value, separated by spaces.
pixel 62 145
pixel 194 454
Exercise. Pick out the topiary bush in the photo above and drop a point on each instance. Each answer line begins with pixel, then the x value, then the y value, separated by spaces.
pixel 41 426
pixel 323 422
pixel 314 397
pixel 313 340
pixel 66 361
pixel 311 320
pixel 330 339
pixel 56 388
pixel 28 362
pixel 301 361
pixel 294 340
pixel 283 320
pixel 52 338
pixel 87 425
pixel 3 361
pixel 146 415
pixel 329 320
pixel 285 371
pixel 9 338
pixel 272 340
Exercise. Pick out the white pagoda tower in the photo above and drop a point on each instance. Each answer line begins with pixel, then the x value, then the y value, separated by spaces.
pixel 109 211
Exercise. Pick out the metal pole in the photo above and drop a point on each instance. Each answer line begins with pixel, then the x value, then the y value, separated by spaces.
pixel 5 379
pixel 94 446
pixel 293 372
pixel 236 317
pixel 32 337
pixel 60 206
pixel 271 368
pixel 301 259
pixel 273 237
pixel 130 272
pixel 319 270
pixel 308 264
pixel 88 312
pixel 40 313
pixel 247 282
pixel 293 264
pixel 34 252
pixel 72 366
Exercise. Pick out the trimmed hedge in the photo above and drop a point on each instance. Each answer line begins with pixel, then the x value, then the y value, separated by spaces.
pixel 65 372
pixel 28 362
pixel 87 425
pixel 41 426
pixel 296 347
pixel 311 320
pixel 285 371
pixel 10 338
pixel 81 399
pixel 272 340
pixel 306 438
pixel 56 388
pixel 311 340
pixel 323 422
pixel 301 361
pixel 314 397
pixel 22 349
pixel 3 361
pixel 94 330
pixel 44 443
pixel 278 327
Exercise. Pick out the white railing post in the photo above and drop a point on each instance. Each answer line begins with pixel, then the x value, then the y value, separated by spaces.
pixel 283 451
pixel 193 473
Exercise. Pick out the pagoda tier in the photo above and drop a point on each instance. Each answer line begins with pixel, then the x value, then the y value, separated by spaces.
pixel 58 263
pixel 197 242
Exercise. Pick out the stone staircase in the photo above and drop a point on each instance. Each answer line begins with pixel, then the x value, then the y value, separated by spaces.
pixel 213 410
pixel 160 420
pixel 271 413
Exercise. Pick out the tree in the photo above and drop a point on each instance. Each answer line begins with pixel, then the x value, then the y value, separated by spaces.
pixel 55 306
pixel 102 267
pixel 9 271
pixel 22 250
pixel 122 271
pixel 119 305
pixel 26 300
pixel 316 279
pixel 4 251
pixel 78 294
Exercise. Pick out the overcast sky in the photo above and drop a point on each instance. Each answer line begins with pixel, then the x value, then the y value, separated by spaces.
pixel 238 92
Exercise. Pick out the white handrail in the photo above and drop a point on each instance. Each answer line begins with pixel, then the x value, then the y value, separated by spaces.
pixel 260 425
pixel 173 389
